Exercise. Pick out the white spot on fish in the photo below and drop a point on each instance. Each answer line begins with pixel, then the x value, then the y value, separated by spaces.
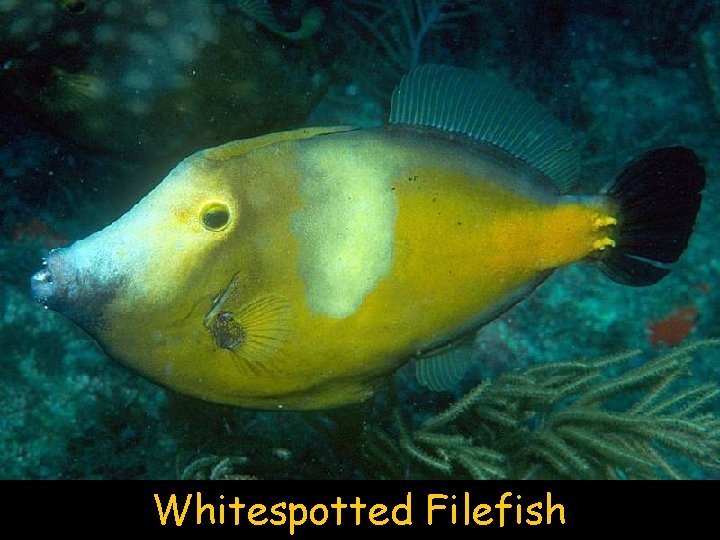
pixel 345 230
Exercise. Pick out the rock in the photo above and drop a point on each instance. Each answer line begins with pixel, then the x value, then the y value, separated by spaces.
pixel 154 80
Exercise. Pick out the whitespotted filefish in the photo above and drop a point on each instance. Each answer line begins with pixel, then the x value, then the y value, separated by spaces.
pixel 299 269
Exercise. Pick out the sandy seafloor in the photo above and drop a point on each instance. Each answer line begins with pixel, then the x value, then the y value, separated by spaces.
pixel 68 411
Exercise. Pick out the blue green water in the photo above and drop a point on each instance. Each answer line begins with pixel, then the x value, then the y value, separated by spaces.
pixel 99 100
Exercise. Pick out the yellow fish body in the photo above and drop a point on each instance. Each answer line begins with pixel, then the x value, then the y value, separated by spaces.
pixel 298 269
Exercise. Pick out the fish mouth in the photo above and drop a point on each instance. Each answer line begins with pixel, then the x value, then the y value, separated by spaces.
pixel 43 286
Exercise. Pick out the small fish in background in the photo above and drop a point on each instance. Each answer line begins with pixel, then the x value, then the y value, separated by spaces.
pixel 66 92
pixel 73 6
pixel 261 13
pixel 297 270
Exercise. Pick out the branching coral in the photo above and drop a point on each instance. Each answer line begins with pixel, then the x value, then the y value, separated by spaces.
pixel 400 27
pixel 387 39
pixel 603 418
pixel 216 468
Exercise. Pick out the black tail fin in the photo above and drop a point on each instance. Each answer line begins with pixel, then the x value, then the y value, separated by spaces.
pixel 659 197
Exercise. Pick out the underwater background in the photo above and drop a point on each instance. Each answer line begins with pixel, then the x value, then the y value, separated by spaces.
pixel 586 378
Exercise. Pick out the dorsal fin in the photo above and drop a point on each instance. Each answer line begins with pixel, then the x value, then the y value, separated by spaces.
pixel 242 146
pixel 461 101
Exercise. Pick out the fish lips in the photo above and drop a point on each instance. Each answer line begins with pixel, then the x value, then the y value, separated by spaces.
pixel 44 285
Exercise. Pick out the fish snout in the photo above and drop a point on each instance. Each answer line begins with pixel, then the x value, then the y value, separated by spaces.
pixel 71 282
pixel 41 285
pixel 46 284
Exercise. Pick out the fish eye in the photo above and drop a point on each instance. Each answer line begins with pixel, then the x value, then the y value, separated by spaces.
pixel 215 216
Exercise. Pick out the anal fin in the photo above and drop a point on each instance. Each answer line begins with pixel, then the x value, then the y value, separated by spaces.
pixel 442 371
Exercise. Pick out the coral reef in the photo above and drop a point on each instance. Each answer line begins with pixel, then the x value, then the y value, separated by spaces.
pixel 63 405
pixel 192 74
pixel 600 418
pixel 667 30
pixel 216 468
